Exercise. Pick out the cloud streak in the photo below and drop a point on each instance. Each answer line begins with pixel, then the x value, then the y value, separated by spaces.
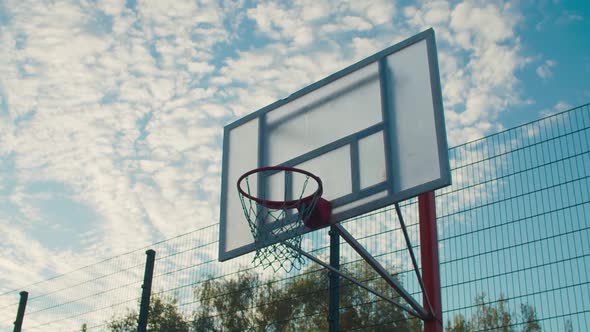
pixel 123 105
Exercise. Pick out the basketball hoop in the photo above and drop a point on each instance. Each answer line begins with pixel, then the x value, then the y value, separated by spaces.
pixel 282 222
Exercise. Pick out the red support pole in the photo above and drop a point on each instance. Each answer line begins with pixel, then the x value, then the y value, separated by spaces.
pixel 430 262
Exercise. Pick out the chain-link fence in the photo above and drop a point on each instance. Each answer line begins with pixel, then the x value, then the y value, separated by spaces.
pixel 514 241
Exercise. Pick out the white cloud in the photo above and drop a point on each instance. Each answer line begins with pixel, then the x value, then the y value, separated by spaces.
pixel 127 117
pixel 127 114
pixel 365 46
pixel 200 67
pixel 482 24
pixel 562 106
pixel 86 107
pixel 111 7
pixel 312 10
pixel 432 13
pixel 376 11
pixel 356 23
pixel 303 23
pixel 278 22
pixel 220 80
pixel 479 61
pixel 544 70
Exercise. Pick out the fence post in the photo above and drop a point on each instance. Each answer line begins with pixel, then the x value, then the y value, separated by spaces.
pixel 430 261
pixel 146 292
pixel 334 303
pixel 20 314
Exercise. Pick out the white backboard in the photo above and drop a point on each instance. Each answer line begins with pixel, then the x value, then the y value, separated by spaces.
pixel 373 132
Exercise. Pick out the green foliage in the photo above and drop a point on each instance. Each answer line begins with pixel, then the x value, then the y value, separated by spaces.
pixel 459 324
pixel 309 293
pixel 529 316
pixel 231 299
pixel 495 316
pixel 364 309
pixel 164 316
pixel 247 303
pixel 273 305
pixel 491 316
pixel 300 304
pixel 127 323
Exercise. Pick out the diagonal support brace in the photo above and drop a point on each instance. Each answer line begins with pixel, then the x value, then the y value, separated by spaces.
pixel 422 313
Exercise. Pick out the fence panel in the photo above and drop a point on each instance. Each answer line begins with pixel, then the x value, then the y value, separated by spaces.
pixel 514 239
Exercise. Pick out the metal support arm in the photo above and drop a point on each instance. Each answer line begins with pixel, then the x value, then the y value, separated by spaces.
pixel 422 314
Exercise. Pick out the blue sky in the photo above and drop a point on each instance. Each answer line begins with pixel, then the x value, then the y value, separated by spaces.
pixel 111 112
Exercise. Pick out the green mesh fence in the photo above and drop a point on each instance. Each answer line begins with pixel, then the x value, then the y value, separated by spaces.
pixel 514 240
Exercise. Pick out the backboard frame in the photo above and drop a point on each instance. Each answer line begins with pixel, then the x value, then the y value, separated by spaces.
pixel 352 140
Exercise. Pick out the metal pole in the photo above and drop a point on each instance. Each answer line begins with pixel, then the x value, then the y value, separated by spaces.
pixel 430 262
pixel 20 314
pixel 146 291
pixel 334 304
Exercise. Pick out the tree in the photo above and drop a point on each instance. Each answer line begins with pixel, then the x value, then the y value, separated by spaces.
pixel 490 316
pixel 459 324
pixel 231 300
pixel 309 294
pixel 164 316
pixel 495 316
pixel 274 307
pixel 365 309
pixel 529 317
pixel 127 323
pixel 244 302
